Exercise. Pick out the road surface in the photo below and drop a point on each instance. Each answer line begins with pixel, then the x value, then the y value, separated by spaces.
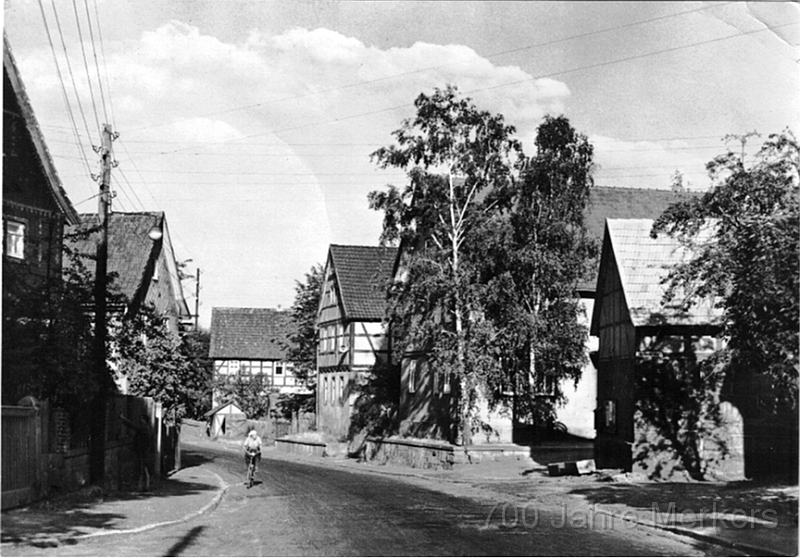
pixel 300 508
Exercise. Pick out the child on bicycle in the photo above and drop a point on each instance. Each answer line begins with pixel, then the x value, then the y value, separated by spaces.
pixel 252 447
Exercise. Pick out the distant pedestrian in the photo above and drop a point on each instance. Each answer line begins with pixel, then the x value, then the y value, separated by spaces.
pixel 144 448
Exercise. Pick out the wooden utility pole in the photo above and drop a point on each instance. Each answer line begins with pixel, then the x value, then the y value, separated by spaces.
pixel 197 303
pixel 102 377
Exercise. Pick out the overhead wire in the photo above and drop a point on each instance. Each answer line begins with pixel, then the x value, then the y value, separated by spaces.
pixel 69 68
pixel 96 64
pixel 439 66
pixel 86 66
pixel 105 65
pixel 67 104
pixel 489 88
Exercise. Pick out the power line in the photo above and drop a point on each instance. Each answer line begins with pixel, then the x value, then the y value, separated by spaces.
pixel 105 66
pixel 85 63
pixel 483 89
pixel 431 68
pixel 96 64
pixel 69 68
pixel 64 90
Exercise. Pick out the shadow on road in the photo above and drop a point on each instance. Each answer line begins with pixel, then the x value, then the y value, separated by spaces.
pixel 185 542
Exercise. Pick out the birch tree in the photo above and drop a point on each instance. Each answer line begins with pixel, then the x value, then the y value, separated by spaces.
pixel 453 153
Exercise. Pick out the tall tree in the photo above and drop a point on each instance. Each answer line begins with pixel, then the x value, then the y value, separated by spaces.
pixel 533 263
pixel 301 349
pixel 452 152
pixel 195 347
pixel 743 234
pixel 151 359
pixel 302 346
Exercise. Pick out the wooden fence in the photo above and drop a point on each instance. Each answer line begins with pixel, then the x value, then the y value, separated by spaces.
pixel 22 435
pixel 46 449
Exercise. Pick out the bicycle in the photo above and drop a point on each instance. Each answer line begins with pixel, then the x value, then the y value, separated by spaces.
pixel 251 468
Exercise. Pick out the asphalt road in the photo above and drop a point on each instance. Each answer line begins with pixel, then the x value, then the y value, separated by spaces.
pixel 302 509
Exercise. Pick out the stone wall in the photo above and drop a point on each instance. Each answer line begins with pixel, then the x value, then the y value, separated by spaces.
pixel 413 453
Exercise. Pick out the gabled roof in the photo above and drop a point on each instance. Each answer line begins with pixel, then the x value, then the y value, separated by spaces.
pixel 362 273
pixel 642 263
pixel 627 203
pixel 11 71
pixel 130 251
pixel 249 333
pixel 222 406
pixel 624 203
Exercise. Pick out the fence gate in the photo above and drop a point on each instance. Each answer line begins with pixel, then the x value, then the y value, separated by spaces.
pixel 19 459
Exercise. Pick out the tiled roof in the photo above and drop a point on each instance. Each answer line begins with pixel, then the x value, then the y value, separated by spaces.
pixel 643 262
pixel 623 203
pixel 627 203
pixel 362 273
pixel 129 247
pixel 249 333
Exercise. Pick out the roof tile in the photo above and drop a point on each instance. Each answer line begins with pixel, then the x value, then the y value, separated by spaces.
pixel 249 333
pixel 644 262
pixel 362 273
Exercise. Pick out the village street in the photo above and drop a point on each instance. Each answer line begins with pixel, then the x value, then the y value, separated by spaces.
pixel 300 508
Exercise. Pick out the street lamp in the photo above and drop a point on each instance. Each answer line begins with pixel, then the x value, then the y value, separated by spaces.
pixel 155 233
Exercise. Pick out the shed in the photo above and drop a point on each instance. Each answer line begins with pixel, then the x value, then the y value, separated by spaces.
pixel 639 330
pixel 221 417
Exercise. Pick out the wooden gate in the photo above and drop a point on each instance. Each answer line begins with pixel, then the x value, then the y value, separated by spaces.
pixel 22 435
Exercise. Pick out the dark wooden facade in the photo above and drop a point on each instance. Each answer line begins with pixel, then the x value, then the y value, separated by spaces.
pixel 35 206
pixel 635 326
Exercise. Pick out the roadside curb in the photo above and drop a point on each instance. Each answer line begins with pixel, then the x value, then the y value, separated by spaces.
pixel 210 506
pixel 751 550
pixel 59 539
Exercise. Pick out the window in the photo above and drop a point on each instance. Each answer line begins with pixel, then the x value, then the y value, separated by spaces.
pixel 610 416
pixel 341 389
pixel 244 368
pixel 278 368
pixel 15 239
pixel 233 367
pixel 544 384
pixel 412 377
pixel 446 382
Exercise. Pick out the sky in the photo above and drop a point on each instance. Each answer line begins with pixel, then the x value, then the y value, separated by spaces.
pixel 250 123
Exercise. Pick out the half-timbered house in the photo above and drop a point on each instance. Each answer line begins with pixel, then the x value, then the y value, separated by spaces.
pixel 250 344
pixel 350 325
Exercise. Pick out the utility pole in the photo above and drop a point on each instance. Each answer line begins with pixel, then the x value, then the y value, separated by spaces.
pixel 98 414
pixel 197 303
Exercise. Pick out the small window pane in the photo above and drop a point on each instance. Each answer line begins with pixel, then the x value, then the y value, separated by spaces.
pixel 15 239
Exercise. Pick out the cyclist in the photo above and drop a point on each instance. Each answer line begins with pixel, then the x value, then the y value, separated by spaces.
pixel 252 447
